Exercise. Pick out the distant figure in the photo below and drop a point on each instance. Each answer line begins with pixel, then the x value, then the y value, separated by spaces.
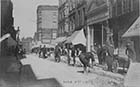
pixel 73 50
pixel 40 51
pixel 99 51
pixel 17 51
pixel 130 52
pixel 57 53
pixel 44 51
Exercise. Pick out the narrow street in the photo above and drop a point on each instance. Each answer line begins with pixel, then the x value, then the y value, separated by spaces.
pixel 70 43
pixel 37 72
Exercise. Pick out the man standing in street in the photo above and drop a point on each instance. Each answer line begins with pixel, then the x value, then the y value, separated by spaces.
pixel 130 52
pixel 99 54
pixel 44 52
pixel 40 50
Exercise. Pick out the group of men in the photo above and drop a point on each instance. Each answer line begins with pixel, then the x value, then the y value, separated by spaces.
pixel 68 50
pixel 44 51
pixel 105 54
pixel 20 52
pixel 108 54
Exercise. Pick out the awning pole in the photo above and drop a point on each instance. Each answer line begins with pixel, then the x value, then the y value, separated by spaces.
pixel 88 39
pixel 102 34
pixel 92 38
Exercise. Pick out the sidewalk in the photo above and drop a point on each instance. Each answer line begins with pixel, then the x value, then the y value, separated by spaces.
pixel 7 78
pixel 24 79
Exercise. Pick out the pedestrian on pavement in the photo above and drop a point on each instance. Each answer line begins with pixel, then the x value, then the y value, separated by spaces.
pixel 69 53
pixel 17 51
pixel 99 50
pixel 130 52
pixel 107 54
pixel 40 51
pixel 73 54
pixel 44 51
pixel 57 53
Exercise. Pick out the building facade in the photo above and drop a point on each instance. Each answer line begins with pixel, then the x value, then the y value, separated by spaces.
pixel 27 44
pixel 7 22
pixel 109 19
pixel 47 23
pixel 63 12
pixel 104 21
pixel 98 30
pixel 71 16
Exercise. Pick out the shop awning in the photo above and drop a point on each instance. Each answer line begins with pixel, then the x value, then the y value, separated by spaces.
pixel 59 39
pixel 134 30
pixel 4 37
pixel 11 42
pixel 77 37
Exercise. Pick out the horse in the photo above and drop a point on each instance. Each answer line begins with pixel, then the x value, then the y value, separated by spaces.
pixel 84 58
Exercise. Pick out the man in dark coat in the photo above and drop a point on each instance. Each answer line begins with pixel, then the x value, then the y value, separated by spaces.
pixel 130 52
pixel 17 51
pixel 40 51
pixel 57 53
pixel 44 52
pixel 109 51
pixel 99 52
pixel 73 55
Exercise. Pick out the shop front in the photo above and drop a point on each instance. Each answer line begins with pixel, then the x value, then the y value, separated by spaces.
pixel 133 33
pixel 98 31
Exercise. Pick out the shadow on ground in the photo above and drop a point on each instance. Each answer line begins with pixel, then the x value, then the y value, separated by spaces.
pixel 28 79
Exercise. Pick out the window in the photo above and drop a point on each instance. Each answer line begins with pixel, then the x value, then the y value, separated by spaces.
pixel 54 21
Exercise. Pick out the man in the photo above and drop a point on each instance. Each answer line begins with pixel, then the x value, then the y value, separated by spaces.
pixel 57 53
pixel 108 55
pixel 44 51
pixel 99 50
pixel 73 55
pixel 40 50
pixel 130 52
pixel 17 51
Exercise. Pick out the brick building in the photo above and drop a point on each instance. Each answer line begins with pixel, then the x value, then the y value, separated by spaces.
pixel 47 23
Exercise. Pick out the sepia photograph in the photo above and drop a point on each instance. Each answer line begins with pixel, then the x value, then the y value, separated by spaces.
pixel 70 43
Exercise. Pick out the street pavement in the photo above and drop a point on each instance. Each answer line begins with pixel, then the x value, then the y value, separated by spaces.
pixel 132 78
pixel 38 72
pixel 66 75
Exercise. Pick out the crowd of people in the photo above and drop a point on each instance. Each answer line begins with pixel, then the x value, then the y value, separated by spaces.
pixel 106 54
pixel 20 52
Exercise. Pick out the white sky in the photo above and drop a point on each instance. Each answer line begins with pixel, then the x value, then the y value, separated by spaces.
pixel 25 15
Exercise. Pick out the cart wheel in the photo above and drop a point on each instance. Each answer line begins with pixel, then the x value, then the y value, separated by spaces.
pixel 115 66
